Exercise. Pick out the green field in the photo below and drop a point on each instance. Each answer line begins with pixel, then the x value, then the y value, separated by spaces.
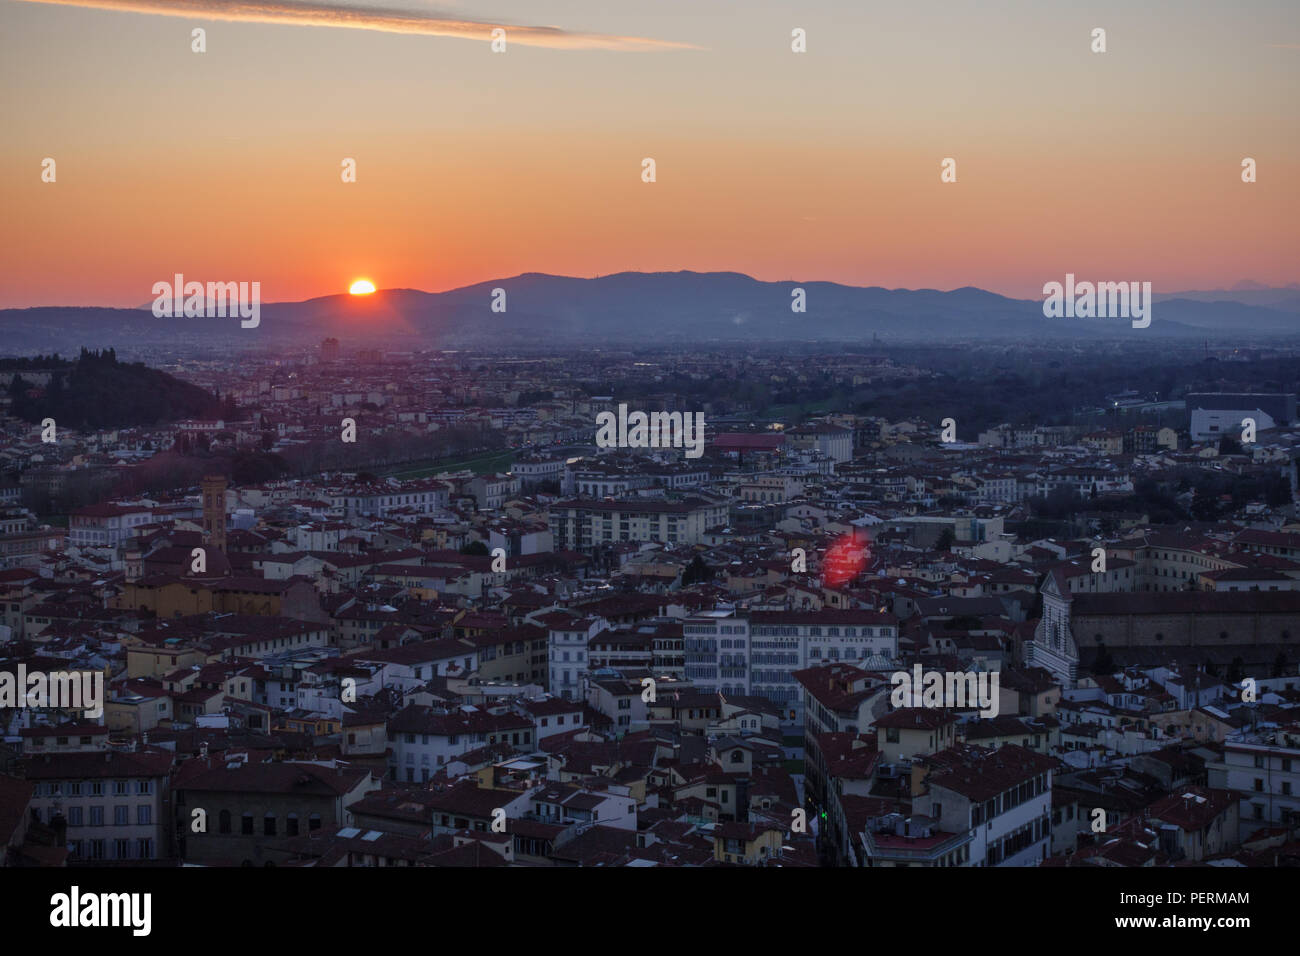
pixel 797 411
pixel 483 464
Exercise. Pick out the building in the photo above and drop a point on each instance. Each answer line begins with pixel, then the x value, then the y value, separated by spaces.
pixel 567 649
pixel 759 652
pixel 423 739
pixel 1000 800
pixel 112 803
pixel 580 525
pixel 1212 415
pixel 830 441
pixel 1265 774
pixel 249 808
pixel 214 512
pixel 106 526
pixel 1153 628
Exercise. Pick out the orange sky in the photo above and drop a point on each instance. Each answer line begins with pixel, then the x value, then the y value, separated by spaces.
pixel 825 165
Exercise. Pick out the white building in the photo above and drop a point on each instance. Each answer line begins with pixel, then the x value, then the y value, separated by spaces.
pixel 1212 423
pixel 1002 798
pixel 106 526
pixel 566 654
pixel 1266 773
pixel 422 739
pixel 758 653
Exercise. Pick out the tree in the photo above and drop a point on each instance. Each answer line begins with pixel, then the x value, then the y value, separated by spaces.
pixel 697 572
pixel 1103 665
pixel 946 539
pixel 475 547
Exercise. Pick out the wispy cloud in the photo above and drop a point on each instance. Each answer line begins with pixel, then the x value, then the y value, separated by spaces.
pixel 374 18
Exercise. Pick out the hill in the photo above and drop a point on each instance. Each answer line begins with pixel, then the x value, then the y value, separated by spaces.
pixel 98 391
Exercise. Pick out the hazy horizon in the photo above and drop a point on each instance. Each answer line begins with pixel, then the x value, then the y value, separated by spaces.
pixel 1242 285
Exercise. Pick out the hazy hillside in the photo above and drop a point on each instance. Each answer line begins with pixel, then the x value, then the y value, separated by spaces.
pixel 631 307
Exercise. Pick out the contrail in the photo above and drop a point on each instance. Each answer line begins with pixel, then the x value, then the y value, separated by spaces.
pixel 374 18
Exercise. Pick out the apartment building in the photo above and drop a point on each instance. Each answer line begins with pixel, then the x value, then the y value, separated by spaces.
pixel 423 739
pixel 567 653
pixel 106 525
pixel 424 497
pixel 1265 772
pixel 759 652
pixel 584 525
pixel 112 803
pixel 1002 798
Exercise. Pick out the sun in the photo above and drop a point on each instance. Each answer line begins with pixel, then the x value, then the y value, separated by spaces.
pixel 362 287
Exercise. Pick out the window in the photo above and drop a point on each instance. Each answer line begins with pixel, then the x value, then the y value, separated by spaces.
pixel 97 816
pixel 246 824
pixel 268 825
pixel 144 815
pixel 223 822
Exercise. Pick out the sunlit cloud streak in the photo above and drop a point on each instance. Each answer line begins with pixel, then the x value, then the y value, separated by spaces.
pixel 375 18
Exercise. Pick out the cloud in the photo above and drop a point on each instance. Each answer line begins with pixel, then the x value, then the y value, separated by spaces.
pixel 373 18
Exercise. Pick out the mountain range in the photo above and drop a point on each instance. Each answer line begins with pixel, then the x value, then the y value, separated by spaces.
pixel 663 308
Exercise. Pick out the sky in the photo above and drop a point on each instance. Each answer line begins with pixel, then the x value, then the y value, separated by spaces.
pixel 474 165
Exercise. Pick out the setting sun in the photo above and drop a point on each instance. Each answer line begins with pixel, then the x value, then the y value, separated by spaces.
pixel 362 287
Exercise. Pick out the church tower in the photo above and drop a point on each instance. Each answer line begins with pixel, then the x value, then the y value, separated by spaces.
pixel 214 512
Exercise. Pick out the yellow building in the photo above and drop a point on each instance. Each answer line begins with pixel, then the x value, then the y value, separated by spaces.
pixel 750 843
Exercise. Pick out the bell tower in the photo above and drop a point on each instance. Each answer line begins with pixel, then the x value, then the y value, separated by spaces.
pixel 214 512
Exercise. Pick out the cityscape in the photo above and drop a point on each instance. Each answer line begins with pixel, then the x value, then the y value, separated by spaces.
pixel 791 439
pixel 470 636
